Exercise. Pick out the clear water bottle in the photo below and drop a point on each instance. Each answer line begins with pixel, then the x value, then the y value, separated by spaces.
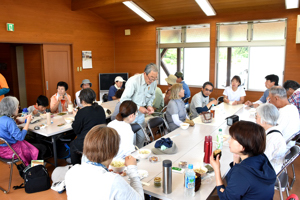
pixel 189 182
pixel 220 139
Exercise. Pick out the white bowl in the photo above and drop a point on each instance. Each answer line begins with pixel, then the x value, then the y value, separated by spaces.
pixel 69 119
pixel 184 126
pixel 144 153
pixel 117 169
pixel 21 119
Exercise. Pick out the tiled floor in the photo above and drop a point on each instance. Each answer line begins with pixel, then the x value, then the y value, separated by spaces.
pixel 50 194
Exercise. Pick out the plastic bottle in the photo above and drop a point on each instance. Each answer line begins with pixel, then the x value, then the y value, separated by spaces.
pixel 189 183
pixel 220 139
pixel 48 116
pixel 24 112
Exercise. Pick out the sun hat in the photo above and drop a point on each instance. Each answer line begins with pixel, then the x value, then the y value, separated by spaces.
pixel 171 79
pixel 119 79
pixel 86 81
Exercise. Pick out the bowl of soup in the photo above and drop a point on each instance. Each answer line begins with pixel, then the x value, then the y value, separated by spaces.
pixel 184 126
pixel 144 153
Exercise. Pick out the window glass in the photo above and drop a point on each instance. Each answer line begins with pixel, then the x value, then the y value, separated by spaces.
pixel 197 34
pixel 269 31
pixel 170 36
pixel 233 32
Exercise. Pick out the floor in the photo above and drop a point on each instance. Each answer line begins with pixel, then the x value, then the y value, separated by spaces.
pixel 50 194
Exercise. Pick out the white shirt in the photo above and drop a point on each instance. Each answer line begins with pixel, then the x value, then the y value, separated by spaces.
pixel 198 100
pixel 87 181
pixel 275 148
pixel 77 99
pixel 234 95
pixel 288 122
pixel 126 134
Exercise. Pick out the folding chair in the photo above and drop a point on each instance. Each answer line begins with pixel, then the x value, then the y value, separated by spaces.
pixel 157 122
pixel 282 179
pixel 136 127
pixel 187 105
pixel 10 162
pixel 294 137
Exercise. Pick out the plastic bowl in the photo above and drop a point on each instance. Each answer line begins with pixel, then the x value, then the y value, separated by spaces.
pixel 117 169
pixel 144 153
pixel 184 126
pixel 69 119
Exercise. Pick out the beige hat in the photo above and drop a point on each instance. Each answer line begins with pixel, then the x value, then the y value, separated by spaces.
pixel 119 79
pixel 171 79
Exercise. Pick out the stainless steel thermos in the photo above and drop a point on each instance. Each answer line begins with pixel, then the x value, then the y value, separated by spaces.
pixel 167 176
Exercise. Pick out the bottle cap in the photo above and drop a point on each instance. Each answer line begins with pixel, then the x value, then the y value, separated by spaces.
pixel 24 110
pixel 220 129
pixel 167 163
pixel 191 166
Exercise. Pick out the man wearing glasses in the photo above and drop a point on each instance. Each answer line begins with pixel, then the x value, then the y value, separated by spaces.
pixel 140 89
pixel 200 101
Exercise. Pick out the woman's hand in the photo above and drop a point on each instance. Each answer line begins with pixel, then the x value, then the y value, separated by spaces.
pixel 28 117
pixel 60 98
pixel 215 163
pixel 130 160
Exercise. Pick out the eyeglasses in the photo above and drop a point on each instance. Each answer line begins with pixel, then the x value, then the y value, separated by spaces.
pixel 208 90
pixel 151 78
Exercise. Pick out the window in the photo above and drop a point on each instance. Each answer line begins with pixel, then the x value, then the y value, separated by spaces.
pixel 251 50
pixel 184 49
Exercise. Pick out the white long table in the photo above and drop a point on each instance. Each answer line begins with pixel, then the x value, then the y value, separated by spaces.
pixel 190 145
pixel 54 131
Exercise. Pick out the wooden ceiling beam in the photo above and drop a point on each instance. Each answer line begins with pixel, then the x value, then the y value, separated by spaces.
pixel 87 4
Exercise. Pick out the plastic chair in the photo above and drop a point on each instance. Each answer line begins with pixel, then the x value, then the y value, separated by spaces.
pixel 136 127
pixel 10 162
pixel 282 183
pixel 157 122
pixel 294 137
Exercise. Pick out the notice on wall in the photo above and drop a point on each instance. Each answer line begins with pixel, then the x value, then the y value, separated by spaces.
pixel 87 60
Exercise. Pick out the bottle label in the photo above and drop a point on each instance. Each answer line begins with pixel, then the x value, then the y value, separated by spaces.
pixel 220 141
pixel 190 181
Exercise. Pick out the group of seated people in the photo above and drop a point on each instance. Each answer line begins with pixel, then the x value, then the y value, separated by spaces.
pixel 277 119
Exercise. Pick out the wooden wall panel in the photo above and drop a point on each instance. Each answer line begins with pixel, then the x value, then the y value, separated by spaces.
pixel 53 22
pixel 34 75
pixel 135 51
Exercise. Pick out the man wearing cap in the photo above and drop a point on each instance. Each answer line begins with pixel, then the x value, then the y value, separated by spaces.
pixel 140 89
pixel 86 83
pixel 187 92
pixel 114 88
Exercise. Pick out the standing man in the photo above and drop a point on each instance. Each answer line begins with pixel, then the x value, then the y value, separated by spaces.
pixel 86 83
pixel 200 101
pixel 293 91
pixel 140 89
pixel 271 80
pixel 4 89
pixel 187 92
pixel 114 88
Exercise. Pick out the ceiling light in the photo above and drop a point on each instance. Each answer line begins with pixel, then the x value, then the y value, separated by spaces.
pixel 290 4
pixel 206 7
pixel 135 8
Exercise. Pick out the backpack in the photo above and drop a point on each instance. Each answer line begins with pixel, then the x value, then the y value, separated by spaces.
pixel 36 179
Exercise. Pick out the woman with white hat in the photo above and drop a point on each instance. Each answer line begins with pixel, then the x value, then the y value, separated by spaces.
pixel 114 88
pixel 86 83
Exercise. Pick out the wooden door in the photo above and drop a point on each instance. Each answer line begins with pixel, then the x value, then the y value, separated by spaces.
pixel 57 66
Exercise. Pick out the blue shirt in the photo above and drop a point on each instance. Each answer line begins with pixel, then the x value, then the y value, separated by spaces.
pixel 263 98
pixel 187 92
pixel 10 131
pixel 112 91
pixel 253 178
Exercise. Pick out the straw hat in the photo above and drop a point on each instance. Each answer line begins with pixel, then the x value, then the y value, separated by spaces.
pixel 171 79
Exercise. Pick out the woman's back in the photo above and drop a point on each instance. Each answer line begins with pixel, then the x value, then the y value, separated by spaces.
pixel 175 106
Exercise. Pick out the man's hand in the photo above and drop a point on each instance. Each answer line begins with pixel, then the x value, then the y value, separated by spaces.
pixel 143 110
pixel 215 102
pixel 234 103
pixel 130 160
pixel 248 103
pixel 150 110
pixel 34 112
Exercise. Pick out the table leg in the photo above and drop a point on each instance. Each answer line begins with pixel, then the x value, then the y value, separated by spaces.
pixel 54 150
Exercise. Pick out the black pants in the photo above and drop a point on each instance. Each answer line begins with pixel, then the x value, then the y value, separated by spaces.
pixel 76 148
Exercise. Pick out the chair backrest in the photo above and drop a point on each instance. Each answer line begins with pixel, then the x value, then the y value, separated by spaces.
pixel 155 122
pixel 164 109
pixel 186 100
pixel 3 141
pixel 220 99
pixel 292 155
pixel 136 127
pixel 294 137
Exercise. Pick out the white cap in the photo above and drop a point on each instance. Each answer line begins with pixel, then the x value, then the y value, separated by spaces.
pixel 120 79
